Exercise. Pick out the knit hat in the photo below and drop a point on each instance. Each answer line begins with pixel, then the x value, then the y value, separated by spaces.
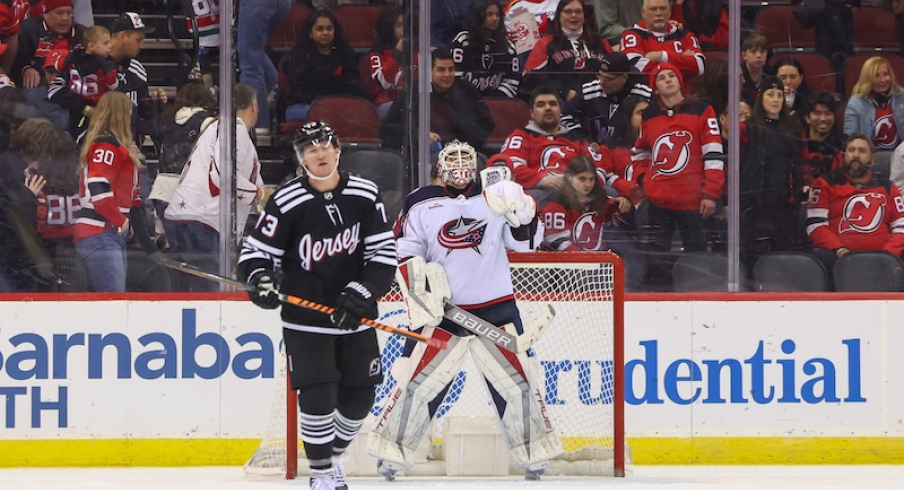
pixel 55 4
pixel 659 68
pixel 771 81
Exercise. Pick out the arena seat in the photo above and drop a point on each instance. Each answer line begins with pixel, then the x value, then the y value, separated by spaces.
pixel 358 23
pixel 703 272
pixel 286 34
pixel 874 30
pixel 869 271
pixel 818 72
pixel 782 31
pixel 354 119
pixel 789 271
pixel 854 64
pixel 509 115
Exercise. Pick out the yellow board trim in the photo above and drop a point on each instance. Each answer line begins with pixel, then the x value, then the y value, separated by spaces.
pixel 645 451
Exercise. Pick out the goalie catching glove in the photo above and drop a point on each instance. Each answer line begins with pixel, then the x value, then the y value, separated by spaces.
pixel 508 199
pixel 267 294
pixel 426 290
pixel 354 303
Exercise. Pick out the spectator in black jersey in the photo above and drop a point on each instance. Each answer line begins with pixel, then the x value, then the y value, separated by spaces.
pixel 483 54
pixel 321 63
pixel 824 143
pixel 29 143
pixel 456 111
pixel 54 29
pixel 597 101
pixel 570 55
pixel 797 93
pixel 770 186
pixel 626 123
pixel 383 83
pixel 707 19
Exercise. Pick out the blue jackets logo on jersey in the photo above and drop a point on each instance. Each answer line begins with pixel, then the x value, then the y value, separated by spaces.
pixel 462 233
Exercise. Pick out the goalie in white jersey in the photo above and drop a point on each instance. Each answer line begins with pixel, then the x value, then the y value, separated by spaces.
pixel 460 231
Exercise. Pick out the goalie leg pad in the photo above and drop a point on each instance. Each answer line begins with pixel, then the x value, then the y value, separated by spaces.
pixel 406 417
pixel 526 426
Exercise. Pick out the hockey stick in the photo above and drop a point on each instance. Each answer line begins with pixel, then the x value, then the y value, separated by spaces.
pixel 482 328
pixel 159 258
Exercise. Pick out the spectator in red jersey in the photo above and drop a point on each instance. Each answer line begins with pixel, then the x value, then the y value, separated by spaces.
pixel 12 13
pixel 678 159
pixel 321 63
pixel 54 29
pixel 109 165
pixel 771 191
pixel 707 19
pixel 538 153
pixel 483 54
pixel 655 40
pixel 852 209
pixel 570 55
pixel 384 81
pixel 582 217
pixel 876 106
pixel 89 72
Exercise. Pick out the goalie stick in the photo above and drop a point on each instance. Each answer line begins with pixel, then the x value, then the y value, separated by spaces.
pixel 482 328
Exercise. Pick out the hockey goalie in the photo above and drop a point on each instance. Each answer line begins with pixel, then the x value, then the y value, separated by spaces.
pixel 454 237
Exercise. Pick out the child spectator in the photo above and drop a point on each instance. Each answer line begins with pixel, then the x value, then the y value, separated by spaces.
pixel 90 71
pixel 754 67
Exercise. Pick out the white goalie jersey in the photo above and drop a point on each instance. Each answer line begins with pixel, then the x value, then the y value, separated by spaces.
pixel 466 238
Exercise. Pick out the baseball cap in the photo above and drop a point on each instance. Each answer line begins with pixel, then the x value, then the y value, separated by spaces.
pixel 55 59
pixel 616 63
pixel 130 21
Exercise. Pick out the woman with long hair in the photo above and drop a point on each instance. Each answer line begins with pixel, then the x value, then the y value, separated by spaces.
pixel 321 63
pixel 484 56
pixel 108 165
pixel 876 106
pixel 383 83
pixel 570 56
pixel 580 216
pixel 797 92
pixel 771 159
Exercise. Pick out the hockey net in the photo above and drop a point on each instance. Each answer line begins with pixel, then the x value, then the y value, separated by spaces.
pixel 580 370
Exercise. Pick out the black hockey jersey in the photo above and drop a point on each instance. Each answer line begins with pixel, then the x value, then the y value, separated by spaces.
pixel 494 71
pixel 90 76
pixel 321 242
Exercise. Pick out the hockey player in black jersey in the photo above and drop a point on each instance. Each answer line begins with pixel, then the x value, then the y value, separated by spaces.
pixel 328 234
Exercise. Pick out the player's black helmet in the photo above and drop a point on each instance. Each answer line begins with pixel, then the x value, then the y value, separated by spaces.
pixel 314 133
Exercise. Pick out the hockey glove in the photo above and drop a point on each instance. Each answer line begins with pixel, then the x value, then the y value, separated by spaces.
pixel 508 199
pixel 354 303
pixel 267 294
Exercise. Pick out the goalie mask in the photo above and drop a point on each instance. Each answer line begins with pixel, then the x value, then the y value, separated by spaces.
pixel 457 164
pixel 315 133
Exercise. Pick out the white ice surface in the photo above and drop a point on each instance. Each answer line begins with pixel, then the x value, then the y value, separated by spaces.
pixel 645 477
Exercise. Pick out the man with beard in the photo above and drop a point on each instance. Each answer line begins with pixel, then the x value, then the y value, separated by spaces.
pixel 851 209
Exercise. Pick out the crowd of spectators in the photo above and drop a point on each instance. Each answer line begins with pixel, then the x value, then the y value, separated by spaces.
pixel 622 90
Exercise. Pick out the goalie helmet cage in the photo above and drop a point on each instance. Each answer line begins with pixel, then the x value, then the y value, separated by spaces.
pixel 581 367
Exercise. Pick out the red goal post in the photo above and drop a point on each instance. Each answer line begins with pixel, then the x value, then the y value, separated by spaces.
pixel 580 365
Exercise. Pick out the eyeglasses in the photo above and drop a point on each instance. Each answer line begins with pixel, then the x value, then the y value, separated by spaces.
pixel 573 11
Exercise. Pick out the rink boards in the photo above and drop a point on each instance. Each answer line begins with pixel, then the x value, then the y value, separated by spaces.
pixel 714 379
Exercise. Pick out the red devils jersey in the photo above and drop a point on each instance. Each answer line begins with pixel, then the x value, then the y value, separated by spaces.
pixel 569 229
pixel 57 215
pixel 680 153
pixel 12 12
pixel 36 41
pixel 532 154
pixel 638 41
pixel 866 216
pixel 90 75
pixel 385 81
pixel 885 129
pixel 108 187
pixel 560 59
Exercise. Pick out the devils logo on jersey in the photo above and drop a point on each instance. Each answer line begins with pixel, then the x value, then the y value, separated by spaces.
pixel 885 133
pixel 462 233
pixel 588 232
pixel 671 153
pixel 557 157
pixel 863 213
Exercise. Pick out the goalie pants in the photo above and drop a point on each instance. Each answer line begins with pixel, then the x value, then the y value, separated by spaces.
pixel 498 314
pixel 336 377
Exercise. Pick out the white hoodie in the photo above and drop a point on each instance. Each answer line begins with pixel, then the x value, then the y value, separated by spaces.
pixel 197 199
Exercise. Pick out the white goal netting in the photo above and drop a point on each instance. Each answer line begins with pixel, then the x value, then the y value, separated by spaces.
pixel 579 360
